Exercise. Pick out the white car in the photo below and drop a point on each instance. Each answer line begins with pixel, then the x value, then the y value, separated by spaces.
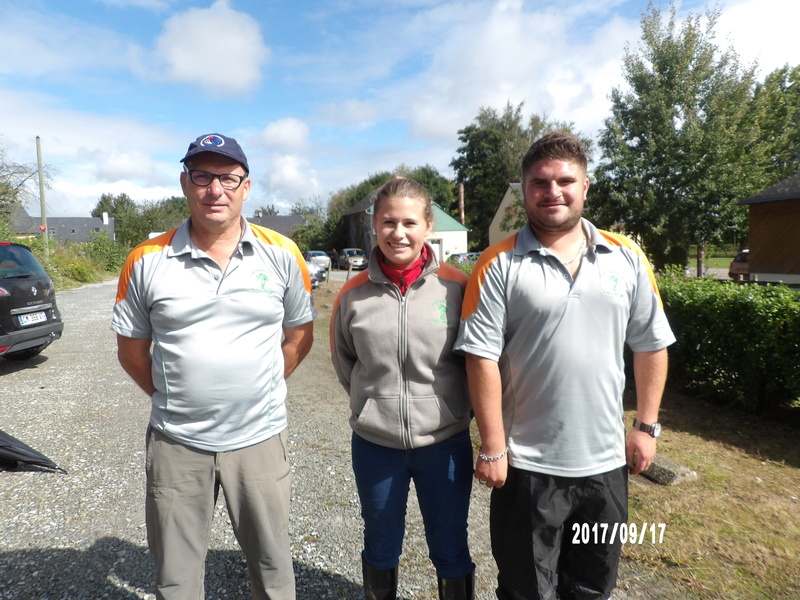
pixel 317 273
pixel 318 257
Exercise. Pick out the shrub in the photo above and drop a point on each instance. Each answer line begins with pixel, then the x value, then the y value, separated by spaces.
pixel 106 254
pixel 736 343
pixel 73 261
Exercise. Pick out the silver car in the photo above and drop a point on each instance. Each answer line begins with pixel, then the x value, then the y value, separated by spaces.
pixel 318 257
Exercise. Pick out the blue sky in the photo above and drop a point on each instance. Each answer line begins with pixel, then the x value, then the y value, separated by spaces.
pixel 320 94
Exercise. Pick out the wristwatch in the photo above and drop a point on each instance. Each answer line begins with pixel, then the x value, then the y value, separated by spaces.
pixel 654 429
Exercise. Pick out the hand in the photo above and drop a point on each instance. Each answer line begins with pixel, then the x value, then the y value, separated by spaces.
pixel 639 451
pixel 492 474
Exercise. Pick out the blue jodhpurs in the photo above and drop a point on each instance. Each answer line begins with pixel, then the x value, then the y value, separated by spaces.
pixel 442 475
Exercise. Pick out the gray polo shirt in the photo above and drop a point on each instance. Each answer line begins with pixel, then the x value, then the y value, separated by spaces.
pixel 559 344
pixel 217 360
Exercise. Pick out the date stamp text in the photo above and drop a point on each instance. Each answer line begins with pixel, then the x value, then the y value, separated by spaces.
pixel 626 533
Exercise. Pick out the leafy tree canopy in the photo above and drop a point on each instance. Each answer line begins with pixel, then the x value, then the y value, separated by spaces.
pixel 681 146
pixel 19 185
pixel 778 112
pixel 266 211
pixel 133 222
pixel 490 158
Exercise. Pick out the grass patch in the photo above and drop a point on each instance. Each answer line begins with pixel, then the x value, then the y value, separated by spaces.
pixel 734 533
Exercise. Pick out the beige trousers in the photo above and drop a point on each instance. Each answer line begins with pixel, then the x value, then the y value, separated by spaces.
pixel 182 488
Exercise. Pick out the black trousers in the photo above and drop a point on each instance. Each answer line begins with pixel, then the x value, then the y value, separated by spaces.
pixel 552 536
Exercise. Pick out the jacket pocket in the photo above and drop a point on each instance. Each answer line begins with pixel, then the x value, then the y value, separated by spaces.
pixel 380 421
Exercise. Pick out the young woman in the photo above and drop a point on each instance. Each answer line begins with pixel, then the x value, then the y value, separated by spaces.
pixel 392 335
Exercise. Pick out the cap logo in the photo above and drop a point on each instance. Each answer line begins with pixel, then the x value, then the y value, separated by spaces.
pixel 212 140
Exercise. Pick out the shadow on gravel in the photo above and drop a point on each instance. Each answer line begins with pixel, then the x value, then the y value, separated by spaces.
pixel 118 570
pixel 12 366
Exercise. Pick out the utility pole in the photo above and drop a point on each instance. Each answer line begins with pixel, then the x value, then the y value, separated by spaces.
pixel 461 203
pixel 43 226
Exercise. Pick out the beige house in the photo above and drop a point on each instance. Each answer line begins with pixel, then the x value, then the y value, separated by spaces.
pixel 513 195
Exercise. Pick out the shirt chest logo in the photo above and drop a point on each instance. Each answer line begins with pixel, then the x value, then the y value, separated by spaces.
pixel 612 283
pixel 260 283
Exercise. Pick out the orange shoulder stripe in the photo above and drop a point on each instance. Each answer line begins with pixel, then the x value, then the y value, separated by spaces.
pixel 473 294
pixel 452 273
pixel 155 244
pixel 276 239
pixel 625 242
pixel 359 279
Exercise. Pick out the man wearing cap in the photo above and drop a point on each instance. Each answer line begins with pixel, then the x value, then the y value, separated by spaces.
pixel 211 317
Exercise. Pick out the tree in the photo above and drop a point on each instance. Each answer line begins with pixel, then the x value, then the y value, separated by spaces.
pixel 15 185
pixel 778 113
pixel 133 223
pixel 313 208
pixel 162 215
pixel 489 159
pixel 266 211
pixel 681 146
pixel 126 217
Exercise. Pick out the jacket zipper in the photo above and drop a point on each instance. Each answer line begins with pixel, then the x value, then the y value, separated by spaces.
pixel 405 404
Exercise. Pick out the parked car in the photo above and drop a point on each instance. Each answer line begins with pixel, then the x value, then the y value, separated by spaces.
pixel 740 266
pixel 29 317
pixel 317 273
pixel 464 258
pixel 353 258
pixel 319 257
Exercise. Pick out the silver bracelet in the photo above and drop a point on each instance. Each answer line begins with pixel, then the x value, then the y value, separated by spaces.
pixel 482 456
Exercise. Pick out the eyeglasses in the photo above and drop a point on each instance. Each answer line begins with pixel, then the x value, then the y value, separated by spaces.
pixel 228 181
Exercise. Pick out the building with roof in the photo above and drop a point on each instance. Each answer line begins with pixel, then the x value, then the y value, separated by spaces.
pixel 774 232
pixel 283 224
pixel 75 229
pixel 512 196
pixel 448 236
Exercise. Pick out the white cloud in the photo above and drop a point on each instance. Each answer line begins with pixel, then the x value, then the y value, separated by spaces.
pixel 289 177
pixel 287 134
pixel 763 31
pixel 216 48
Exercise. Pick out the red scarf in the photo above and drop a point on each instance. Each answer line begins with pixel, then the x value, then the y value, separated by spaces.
pixel 403 278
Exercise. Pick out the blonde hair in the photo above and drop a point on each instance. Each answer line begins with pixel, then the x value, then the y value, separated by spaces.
pixel 402 187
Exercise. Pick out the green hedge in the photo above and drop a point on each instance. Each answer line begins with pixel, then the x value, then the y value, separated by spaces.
pixel 739 343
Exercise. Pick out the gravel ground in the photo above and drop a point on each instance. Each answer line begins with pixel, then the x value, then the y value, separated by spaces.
pixel 82 535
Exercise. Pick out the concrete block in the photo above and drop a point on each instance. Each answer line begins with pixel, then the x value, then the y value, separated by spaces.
pixel 667 472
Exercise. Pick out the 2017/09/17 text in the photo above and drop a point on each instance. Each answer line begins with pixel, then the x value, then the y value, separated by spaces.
pixel 629 533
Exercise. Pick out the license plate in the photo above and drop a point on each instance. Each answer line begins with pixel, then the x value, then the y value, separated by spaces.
pixel 31 318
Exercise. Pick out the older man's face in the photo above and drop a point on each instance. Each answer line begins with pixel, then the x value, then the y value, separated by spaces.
pixel 213 207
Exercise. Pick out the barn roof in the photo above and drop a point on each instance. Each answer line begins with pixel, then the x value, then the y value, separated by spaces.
pixel 788 189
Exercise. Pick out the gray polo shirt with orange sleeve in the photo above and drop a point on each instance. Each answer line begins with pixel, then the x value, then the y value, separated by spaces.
pixel 217 359
pixel 559 345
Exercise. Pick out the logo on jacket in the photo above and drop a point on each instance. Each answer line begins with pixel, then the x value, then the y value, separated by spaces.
pixel 443 307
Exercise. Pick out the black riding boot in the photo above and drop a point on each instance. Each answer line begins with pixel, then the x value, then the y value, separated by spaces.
pixel 462 588
pixel 379 584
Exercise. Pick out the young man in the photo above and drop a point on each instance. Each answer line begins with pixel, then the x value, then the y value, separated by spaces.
pixel 545 318
pixel 211 318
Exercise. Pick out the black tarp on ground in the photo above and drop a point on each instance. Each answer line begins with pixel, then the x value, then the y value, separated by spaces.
pixel 13 452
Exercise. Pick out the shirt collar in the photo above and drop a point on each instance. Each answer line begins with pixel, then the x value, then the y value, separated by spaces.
pixel 182 240
pixel 527 241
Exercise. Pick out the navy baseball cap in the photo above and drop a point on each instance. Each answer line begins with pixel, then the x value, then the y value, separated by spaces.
pixel 218 144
